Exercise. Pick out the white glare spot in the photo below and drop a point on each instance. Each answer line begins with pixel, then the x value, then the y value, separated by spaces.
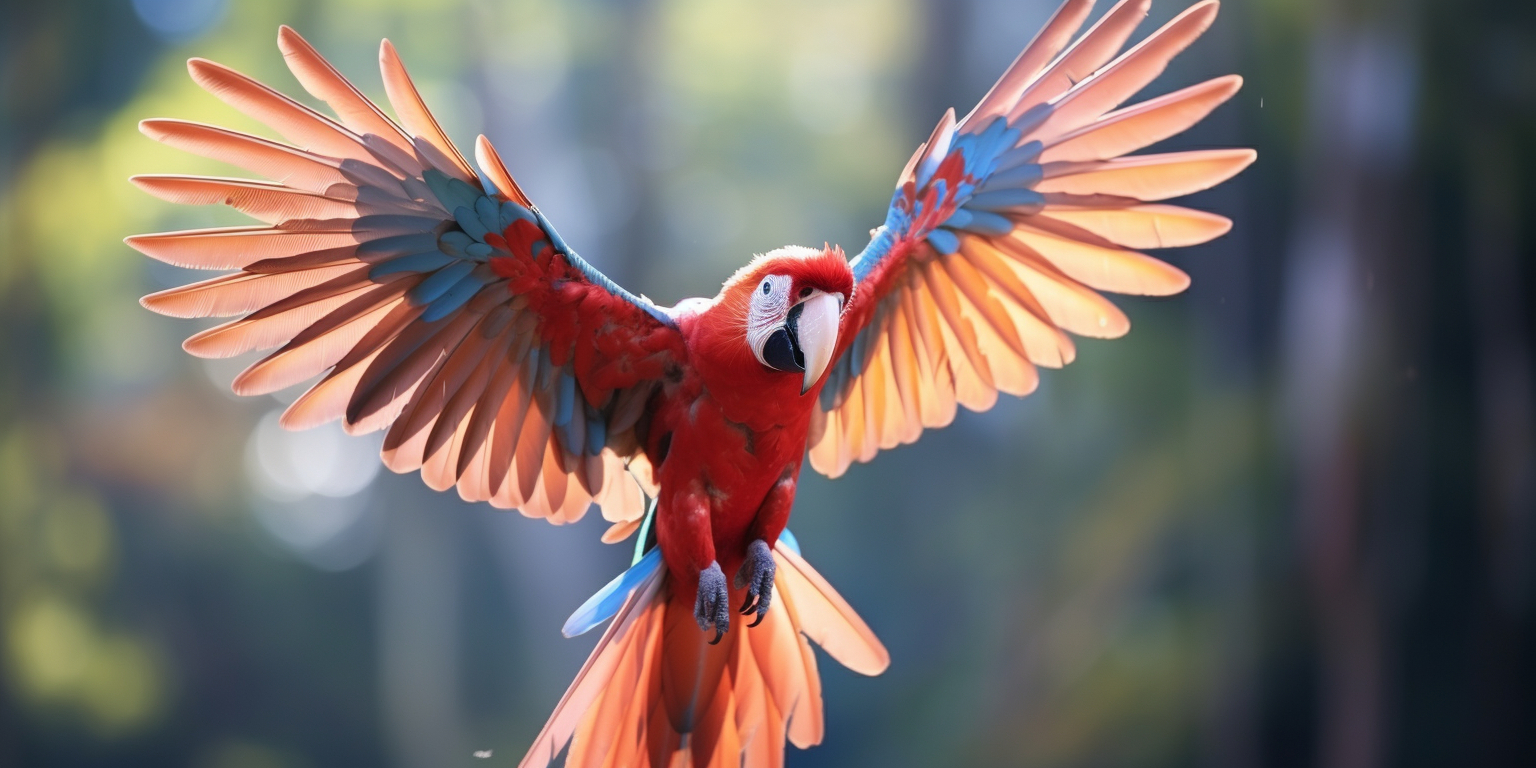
pixel 482 753
pixel 324 461
pixel 309 491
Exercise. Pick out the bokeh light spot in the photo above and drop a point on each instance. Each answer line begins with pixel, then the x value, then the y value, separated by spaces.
pixel 179 20
pixel 48 642
pixel 309 490
pixel 122 688
pixel 287 466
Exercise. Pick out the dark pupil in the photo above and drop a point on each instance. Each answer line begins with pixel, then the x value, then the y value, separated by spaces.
pixel 765 287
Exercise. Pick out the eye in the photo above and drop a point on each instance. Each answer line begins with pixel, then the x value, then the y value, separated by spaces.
pixel 804 292
pixel 767 288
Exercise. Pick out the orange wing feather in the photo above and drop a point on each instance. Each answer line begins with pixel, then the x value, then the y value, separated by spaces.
pixel 1007 224
pixel 424 303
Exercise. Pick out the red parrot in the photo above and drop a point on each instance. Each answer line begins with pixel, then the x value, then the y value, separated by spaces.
pixel 446 309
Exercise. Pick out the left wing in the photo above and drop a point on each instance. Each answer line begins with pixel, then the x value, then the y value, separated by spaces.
pixel 1007 224
pixel 447 311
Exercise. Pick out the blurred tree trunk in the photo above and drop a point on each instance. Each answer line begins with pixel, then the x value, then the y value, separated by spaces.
pixel 1355 147
pixel 419 628
pixel 1468 635
pixel 1407 396
pixel 633 138
pixel 938 77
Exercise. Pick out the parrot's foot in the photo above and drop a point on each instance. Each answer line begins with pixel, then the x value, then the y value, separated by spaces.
pixel 712 607
pixel 756 575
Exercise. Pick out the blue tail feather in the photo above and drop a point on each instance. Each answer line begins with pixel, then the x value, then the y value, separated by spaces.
pixel 608 600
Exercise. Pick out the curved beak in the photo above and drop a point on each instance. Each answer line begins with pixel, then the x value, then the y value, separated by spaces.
pixel 816 334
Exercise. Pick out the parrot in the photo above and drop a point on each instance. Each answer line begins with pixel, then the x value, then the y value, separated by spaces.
pixel 429 298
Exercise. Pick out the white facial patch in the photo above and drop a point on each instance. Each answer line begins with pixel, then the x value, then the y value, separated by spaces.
pixel 770 305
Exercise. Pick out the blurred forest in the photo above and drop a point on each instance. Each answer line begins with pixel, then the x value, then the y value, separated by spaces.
pixel 1290 520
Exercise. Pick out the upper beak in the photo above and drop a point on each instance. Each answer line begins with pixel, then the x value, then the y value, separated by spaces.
pixel 817 335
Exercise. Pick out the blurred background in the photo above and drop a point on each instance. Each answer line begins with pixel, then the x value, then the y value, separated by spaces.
pixel 1290 520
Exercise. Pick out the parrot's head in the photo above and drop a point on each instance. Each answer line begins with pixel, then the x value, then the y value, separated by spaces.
pixel 788 305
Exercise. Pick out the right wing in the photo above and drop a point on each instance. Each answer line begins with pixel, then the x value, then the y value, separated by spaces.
pixel 1007 224
pixel 447 311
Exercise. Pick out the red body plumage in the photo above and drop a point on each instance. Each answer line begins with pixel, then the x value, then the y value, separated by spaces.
pixel 733 430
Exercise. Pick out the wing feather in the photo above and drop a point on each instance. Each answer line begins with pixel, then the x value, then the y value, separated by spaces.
pixel 1007 225
pixel 324 82
pixel 1141 125
pixel 266 201
pixel 240 293
pixel 1146 177
pixel 270 329
pixel 236 247
pixel 1107 88
pixel 1095 262
pixel 332 342
pixel 286 165
pixel 422 301
pixel 1097 46
pixel 297 123
pixel 1048 42
pixel 489 409
pixel 1144 226
pixel 467 369
pixel 417 119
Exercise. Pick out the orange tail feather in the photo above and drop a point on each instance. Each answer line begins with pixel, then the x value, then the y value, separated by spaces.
pixel 655 694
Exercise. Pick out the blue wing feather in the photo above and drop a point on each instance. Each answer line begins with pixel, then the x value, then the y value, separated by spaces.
pixel 995 183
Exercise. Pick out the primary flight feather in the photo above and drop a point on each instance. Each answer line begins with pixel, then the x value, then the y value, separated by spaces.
pixel 447 311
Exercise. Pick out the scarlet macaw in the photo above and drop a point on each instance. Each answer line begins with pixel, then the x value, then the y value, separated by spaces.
pixel 447 310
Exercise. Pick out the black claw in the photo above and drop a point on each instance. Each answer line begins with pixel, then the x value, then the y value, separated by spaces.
pixel 756 575
pixel 719 633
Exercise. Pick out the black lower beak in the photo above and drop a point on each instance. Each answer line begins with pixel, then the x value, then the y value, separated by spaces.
pixel 782 350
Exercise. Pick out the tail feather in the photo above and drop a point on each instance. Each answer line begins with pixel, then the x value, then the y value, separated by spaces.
pixel 827 619
pixel 789 666
pixel 628 637
pixel 655 694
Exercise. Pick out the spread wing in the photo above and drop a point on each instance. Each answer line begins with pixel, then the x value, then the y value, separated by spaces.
pixel 447 311
pixel 1007 225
